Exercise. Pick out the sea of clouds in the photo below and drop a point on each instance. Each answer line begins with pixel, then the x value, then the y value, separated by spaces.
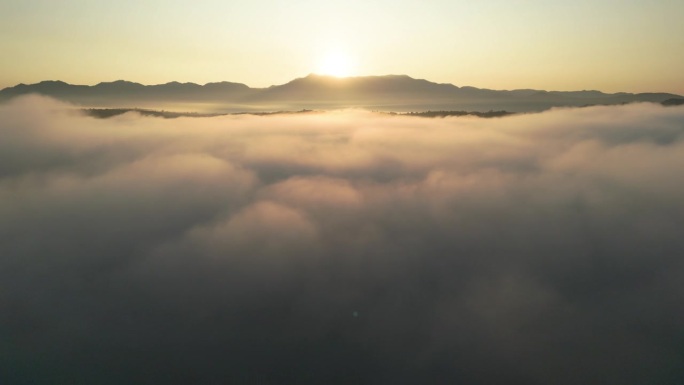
pixel 342 248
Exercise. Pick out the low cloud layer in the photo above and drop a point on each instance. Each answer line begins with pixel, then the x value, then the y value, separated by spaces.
pixel 342 248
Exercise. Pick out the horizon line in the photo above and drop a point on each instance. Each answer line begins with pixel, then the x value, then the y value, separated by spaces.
pixel 341 78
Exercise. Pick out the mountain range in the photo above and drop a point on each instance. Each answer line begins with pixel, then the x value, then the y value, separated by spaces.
pixel 384 93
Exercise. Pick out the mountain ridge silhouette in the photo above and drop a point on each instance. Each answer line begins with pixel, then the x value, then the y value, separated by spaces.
pixel 383 92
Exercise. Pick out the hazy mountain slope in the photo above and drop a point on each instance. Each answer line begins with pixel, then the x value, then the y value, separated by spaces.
pixel 391 92
pixel 121 90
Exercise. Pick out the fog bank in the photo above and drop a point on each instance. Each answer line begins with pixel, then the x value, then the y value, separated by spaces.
pixel 342 248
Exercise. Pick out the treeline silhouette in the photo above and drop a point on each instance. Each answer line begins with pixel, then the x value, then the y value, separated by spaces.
pixel 673 102
pixel 442 114
pixel 103 113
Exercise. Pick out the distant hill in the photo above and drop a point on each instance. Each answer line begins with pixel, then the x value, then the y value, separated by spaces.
pixel 129 91
pixel 398 93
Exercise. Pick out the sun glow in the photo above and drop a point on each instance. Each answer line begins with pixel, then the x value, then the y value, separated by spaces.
pixel 336 63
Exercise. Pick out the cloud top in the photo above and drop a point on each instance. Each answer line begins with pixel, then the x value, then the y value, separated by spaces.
pixel 343 247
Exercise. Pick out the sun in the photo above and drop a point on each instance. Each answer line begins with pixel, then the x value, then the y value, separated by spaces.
pixel 336 63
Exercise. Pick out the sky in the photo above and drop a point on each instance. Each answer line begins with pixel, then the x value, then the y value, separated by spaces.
pixel 609 45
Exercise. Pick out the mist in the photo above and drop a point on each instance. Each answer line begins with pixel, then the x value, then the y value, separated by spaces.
pixel 342 247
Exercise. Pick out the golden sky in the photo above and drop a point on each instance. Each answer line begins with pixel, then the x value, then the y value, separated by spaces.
pixel 610 45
